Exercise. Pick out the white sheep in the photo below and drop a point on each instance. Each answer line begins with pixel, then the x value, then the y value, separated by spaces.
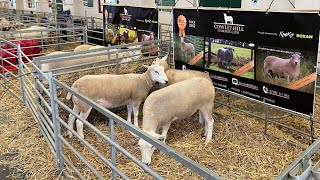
pixel 228 19
pixel 187 49
pixel 82 47
pixel 29 35
pixel 4 24
pixel 286 68
pixel 176 102
pixel 111 91
pixel 176 75
pixel 78 60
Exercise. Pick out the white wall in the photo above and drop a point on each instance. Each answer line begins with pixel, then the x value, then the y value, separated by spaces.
pixel 307 4
pixel 283 5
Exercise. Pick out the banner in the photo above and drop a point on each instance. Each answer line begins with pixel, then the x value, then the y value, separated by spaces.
pixel 270 57
pixel 125 24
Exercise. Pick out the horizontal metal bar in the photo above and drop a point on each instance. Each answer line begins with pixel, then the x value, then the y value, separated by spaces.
pixel 106 138
pixel 45 116
pixel 77 154
pixel 47 134
pixel 310 151
pixel 72 167
pixel 92 149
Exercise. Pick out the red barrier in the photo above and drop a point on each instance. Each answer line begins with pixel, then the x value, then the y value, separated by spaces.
pixel 30 48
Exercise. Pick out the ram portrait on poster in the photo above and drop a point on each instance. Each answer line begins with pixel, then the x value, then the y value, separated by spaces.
pixel 230 57
pixel 284 67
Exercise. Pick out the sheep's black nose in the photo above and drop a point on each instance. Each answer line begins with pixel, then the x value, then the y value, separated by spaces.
pixel 296 63
pixel 166 82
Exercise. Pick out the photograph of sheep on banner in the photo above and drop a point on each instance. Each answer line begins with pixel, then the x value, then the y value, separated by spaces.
pixel 126 24
pixel 272 62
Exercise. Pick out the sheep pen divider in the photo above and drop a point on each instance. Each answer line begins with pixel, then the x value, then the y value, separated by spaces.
pixel 48 117
pixel 45 106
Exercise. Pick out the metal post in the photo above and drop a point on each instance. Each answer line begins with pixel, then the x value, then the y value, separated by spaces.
pixel 109 53
pixel 160 49
pixel 85 35
pixel 22 75
pixel 2 64
pixel 113 149
pixel 117 63
pixel 56 122
pixel 311 129
pixel 266 119
pixel 92 23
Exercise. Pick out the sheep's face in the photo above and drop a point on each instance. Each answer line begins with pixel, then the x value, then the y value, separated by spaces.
pixel 147 149
pixel 136 52
pixel 161 62
pixel 158 74
pixel 182 39
pixel 295 59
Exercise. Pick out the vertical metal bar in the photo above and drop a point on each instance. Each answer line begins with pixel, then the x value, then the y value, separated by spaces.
pixel 22 75
pixel 266 119
pixel 56 122
pixel 311 129
pixel 85 35
pixel 2 65
pixel 160 48
pixel 113 149
pixel 92 22
pixel 109 52
pixel 117 62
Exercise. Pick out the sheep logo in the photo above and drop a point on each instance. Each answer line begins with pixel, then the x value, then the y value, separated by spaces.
pixel 228 19
pixel 125 16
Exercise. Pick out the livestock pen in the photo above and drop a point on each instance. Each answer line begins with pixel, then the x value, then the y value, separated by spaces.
pixel 239 149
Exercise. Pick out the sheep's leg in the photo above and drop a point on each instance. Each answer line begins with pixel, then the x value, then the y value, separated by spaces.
pixel 72 118
pixel 129 108
pixel 136 113
pixel 164 132
pixel 209 123
pixel 201 120
pixel 80 124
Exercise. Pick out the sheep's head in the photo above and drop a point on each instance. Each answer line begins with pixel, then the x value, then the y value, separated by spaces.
pixel 182 39
pixel 162 62
pixel 157 73
pixel 295 59
pixel 136 52
pixel 147 149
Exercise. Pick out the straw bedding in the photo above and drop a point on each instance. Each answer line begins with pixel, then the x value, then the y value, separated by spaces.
pixel 239 149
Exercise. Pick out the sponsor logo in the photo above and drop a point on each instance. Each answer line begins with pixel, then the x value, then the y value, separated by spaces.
pixel 125 16
pixel 304 36
pixel 228 26
pixel 239 83
pixel 286 34
pixel 234 81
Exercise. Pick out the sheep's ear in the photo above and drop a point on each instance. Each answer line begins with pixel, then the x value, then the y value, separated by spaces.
pixel 165 57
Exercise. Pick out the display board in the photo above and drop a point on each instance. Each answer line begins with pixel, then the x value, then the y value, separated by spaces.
pixel 270 57
pixel 126 24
